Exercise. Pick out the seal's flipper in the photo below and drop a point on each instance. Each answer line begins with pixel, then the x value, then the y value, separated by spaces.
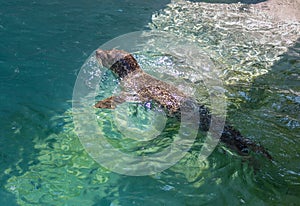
pixel 235 141
pixel 110 103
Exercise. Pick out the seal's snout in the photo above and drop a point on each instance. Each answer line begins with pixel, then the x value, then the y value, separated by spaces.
pixel 102 58
pixel 108 57
pixel 102 53
pixel 99 52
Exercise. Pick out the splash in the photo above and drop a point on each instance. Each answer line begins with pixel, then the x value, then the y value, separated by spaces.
pixel 243 38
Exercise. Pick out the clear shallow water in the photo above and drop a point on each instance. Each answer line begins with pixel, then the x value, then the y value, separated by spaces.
pixel 43 45
pixel 42 161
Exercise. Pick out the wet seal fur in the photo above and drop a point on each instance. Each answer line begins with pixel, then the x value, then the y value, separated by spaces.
pixel 142 87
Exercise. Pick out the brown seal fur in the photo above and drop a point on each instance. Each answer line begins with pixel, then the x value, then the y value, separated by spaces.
pixel 140 87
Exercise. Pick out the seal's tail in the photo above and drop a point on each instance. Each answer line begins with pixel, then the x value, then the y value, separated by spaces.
pixel 234 140
pixel 231 137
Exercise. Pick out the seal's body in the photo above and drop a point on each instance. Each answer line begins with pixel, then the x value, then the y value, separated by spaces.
pixel 139 86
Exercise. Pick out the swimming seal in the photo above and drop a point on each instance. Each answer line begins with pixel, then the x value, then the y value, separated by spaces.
pixel 142 87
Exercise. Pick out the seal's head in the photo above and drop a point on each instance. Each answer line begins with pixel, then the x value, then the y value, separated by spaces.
pixel 120 62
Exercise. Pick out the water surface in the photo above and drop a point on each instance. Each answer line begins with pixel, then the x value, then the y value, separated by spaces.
pixel 44 44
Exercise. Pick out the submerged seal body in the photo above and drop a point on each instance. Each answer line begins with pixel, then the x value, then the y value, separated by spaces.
pixel 139 86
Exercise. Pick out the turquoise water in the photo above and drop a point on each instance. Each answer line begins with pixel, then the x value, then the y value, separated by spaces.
pixel 44 44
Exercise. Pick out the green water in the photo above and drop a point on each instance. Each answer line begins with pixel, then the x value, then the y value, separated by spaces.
pixel 44 44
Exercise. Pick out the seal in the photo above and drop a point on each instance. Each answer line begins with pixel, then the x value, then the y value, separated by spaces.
pixel 142 88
